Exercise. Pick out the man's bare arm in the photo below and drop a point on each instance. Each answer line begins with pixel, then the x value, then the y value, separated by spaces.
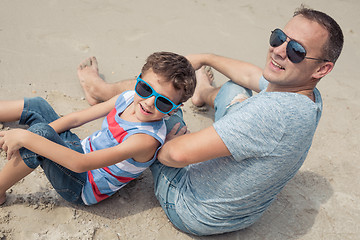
pixel 193 148
pixel 240 72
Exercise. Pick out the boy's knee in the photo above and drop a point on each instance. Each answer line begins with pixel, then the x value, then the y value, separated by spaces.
pixel 37 101
pixel 42 129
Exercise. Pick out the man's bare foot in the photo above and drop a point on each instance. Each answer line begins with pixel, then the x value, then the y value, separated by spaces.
pixel 88 74
pixel 204 80
pixel 2 199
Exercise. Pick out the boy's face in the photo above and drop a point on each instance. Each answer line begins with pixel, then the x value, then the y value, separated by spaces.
pixel 145 110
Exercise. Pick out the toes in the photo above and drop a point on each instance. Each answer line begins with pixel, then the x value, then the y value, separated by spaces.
pixel 209 73
pixel 86 63
pixel 93 60
pixel 94 63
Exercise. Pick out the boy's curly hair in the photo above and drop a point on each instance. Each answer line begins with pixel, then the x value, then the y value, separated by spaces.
pixel 174 68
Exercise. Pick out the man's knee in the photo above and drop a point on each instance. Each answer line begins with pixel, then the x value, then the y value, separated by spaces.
pixel 227 95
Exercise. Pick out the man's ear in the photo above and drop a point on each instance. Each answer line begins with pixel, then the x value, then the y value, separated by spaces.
pixel 323 70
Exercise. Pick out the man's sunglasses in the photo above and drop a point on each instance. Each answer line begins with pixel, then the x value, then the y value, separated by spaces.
pixel 162 103
pixel 294 50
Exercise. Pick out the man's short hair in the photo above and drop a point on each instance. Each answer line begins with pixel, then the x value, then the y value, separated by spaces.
pixel 333 47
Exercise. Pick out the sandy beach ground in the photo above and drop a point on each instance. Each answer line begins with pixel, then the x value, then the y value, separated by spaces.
pixel 43 41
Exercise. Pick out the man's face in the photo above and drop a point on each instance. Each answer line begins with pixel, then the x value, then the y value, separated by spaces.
pixel 289 76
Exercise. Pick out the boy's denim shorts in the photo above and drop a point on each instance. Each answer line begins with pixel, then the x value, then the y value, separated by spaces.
pixel 37 114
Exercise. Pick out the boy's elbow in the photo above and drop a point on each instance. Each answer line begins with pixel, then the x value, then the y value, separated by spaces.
pixel 79 170
pixel 77 166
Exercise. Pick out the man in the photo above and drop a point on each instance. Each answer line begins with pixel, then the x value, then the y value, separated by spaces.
pixel 224 177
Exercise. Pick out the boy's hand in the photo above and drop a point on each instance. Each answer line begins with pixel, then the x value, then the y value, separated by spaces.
pixel 10 141
pixel 172 134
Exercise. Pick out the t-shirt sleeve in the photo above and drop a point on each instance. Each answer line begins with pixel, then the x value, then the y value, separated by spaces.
pixel 263 83
pixel 251 130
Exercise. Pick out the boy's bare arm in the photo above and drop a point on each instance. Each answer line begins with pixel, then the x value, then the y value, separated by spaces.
pixel 81 117
pixel 141 147
pixel 193 148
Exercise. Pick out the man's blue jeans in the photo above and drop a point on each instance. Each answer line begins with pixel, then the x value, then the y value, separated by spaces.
pixel 166 179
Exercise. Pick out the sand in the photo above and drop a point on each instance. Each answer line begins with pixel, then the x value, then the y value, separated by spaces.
pixel 43 41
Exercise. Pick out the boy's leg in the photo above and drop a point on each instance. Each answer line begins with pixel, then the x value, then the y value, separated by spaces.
pixel 10 111
pixel 28 111
pixel 37 110
pixel 37 113
pixel 95 88
pixel 13 171
pixel 66 182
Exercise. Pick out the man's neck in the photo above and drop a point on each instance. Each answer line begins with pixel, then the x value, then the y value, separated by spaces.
pixel 309 92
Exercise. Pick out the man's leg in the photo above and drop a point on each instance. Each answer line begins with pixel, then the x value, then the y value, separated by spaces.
pixel 220 98
pixel 204 93
pixel 95 88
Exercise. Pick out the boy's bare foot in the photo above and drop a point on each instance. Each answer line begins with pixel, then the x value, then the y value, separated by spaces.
pixel 204 80
pixel 2 199
pixel 88 74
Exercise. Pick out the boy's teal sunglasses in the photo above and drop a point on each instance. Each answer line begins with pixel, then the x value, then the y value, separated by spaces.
pixel 162 103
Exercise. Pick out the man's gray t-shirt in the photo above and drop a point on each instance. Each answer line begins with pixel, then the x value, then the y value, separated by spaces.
pixel 269 136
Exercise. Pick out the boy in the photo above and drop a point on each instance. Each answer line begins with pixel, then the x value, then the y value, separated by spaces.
pixel 90 170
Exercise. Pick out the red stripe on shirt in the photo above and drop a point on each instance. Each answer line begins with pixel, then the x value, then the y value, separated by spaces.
pixel 98 195
pixel 119 178
pixel 118 132
pixel 91 149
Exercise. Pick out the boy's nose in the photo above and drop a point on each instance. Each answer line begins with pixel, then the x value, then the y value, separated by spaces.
pixel 150 101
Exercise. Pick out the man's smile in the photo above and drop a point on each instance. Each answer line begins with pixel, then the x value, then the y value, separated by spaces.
pixel 277 65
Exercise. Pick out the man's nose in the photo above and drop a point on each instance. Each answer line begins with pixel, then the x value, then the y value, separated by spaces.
pixel 281 50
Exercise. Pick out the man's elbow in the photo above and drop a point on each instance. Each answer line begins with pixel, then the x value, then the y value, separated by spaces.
pixel 173 158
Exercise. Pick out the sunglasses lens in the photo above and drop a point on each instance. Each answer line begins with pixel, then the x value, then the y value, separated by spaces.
pixel 277 38
pixel 163 105
pixel 143 90
pixel 295 52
